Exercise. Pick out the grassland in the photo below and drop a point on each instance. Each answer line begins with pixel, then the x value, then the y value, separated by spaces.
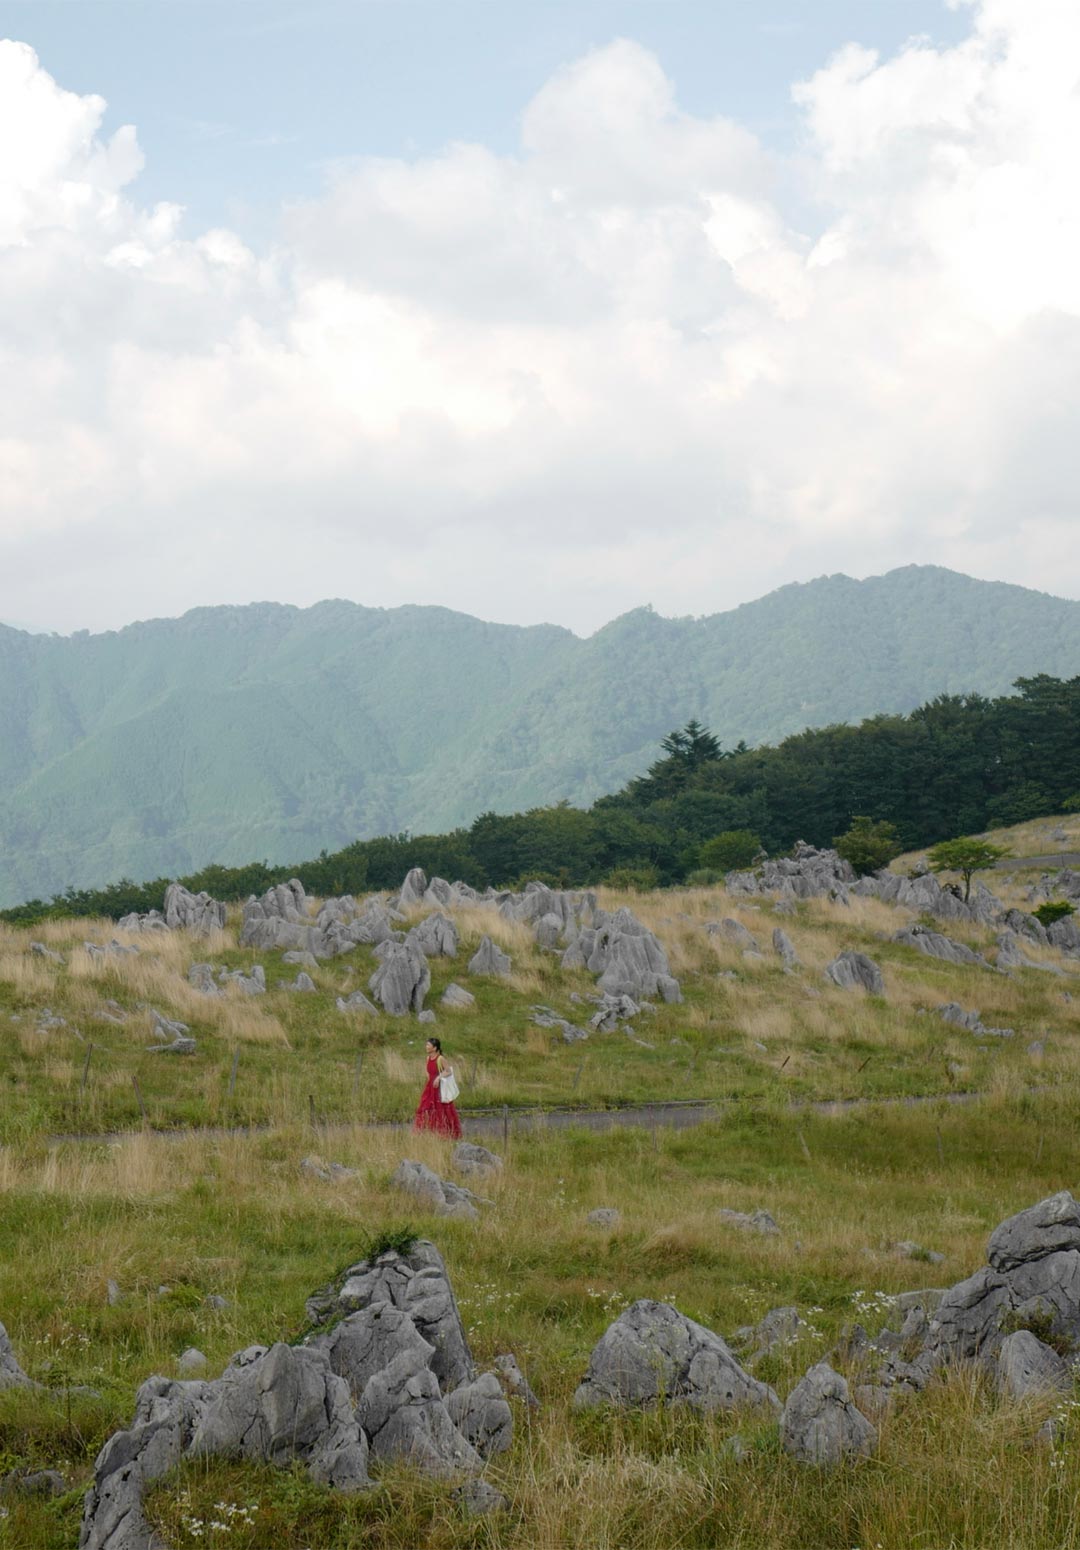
pixel 176 1218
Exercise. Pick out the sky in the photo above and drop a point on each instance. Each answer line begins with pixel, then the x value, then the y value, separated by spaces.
pixel 540 311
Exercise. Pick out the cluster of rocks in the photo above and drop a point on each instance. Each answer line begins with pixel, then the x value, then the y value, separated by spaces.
pixel 384 1374
pixel 442 1196
pixel 209 981
pixel 808 873
pixel 182 911
pixel 971 1022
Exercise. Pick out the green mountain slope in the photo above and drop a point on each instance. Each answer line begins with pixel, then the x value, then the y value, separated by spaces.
pixel 272 732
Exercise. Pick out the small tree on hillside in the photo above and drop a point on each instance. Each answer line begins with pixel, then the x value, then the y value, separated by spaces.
pixel 966 857
pixel 729 851
pixel 868 845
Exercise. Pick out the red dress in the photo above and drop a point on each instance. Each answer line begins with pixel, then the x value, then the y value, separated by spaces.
pixel 431 1112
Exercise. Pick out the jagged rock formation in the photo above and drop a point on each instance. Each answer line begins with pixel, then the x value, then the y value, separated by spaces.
pixel 808 873
pixel 402 979
pixel 784 949
pixel 820 1424
pixel 733 931
pixel 386 1371
pixel 652 1352
pixel 456 996
pixel 436 936
pixel 1026 1366
pixel 442 1196
pixel 924 895
pixel 274 1404
pixel 182 911
pixel 934 945
pixel 1010 955
pixel 851 971
pixel 253 984
pixel 11 1374
pixel 356 1002
pixel 626 956
pixel 954 1013
pixel 489 959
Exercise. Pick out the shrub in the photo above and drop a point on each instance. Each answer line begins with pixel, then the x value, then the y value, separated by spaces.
pixel 730 851
pixel 868 845
pixel 1047 913
pixel 640 877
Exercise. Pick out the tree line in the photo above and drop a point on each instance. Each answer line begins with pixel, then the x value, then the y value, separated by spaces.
pixel 954 766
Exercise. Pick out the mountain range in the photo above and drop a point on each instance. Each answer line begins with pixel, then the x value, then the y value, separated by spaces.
pixel 272 732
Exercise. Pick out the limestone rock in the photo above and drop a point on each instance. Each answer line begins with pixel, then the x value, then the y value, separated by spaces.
pixel 457 997
pixel 402 979
pixel 1051 1227
pixel 201 978
pixel 851 971
pixel 1010 955
pixel 489 959
pixel 514 1380
pixel 820 1424
pixel 604 1216
pixel 41 951
pixel 194 912
pixel 807 873
pixel 191 1364
pixel 1026 1366
pixel 11 1374
pixel 436 936
pixel 441 1195
pixel 356 1002
pixel 758 1221
pixel 652 1352
pixel 784 948
pixel 415 1282
pixel 478 1497
pixel 413 889
pixel 475 1161
pixel 628 958
pixel 404 1416
pixel 482 1415
pixel 253 984
pixel 303 984
pixel 934 945
pixel 733 931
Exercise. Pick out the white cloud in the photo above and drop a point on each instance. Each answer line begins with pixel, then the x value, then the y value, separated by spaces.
pixel 621 365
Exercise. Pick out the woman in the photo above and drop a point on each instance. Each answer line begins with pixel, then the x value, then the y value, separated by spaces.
pixel 432 1113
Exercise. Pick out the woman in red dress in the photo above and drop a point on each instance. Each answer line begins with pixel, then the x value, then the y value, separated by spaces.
pixel 432 1113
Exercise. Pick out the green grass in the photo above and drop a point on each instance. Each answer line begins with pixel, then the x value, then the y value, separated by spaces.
pixel 176 1218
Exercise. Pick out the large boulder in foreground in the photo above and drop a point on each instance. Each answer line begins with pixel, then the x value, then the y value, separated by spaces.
pixel 821 1425
pixel 652 1352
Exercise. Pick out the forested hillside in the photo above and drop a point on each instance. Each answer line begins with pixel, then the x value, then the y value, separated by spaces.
pixel 954 766
pixel 276 732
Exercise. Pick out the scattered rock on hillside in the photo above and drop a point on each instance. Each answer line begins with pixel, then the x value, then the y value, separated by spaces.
pixel 456 996
pixel 784 948
pixel 481 1414
pixel 436 936
pixel 1026 1366
pixel 402 979
pixel 514 1380
pixel 852 971
pixel 40 1483
pixel 1011 955
pixel 442 1196
pixel 478 1497
pixel 820 1424
pixel 758 1221
pixel 201 978
pixel 11 1374
pixel 654 1353
pixel 934 945
pixel 489 959
pixel 475 1161
pixel 924 895
pixel 303 984
pixel 604 1216
pixel 807 873
pixel 626 956
pixel 356 1002
pixel 41 951
pixel 733 931
pixel 253 984
pixel 954 1013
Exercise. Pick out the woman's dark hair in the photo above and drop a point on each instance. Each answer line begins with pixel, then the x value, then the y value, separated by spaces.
pixel 438 1045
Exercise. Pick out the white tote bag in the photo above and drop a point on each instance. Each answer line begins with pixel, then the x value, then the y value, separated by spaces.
pixel 448 1087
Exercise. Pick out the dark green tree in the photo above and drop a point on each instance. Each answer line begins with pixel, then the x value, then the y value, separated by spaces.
pixel 966 857
pixel 868 844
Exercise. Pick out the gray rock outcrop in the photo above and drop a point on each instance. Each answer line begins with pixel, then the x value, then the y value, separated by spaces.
pixel 436 936
pixel 652 1352
pixel 489 959
pixel 201 978
pixel 820 1424
pixel 475 1161
pixel 855 971
pixel 934 945
pixel 733 931
pixel 625 955
pixel 784 949
pixel 272 1405
pixel 402 979
pixel 808 873
pixel 194 912
pixel 1010 955
pixel 481 1414
pixel 442 1196
pixel 924 895
pixel 457 997
pixel 356 1001
pixel 1026 1366
pixel 11 1374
